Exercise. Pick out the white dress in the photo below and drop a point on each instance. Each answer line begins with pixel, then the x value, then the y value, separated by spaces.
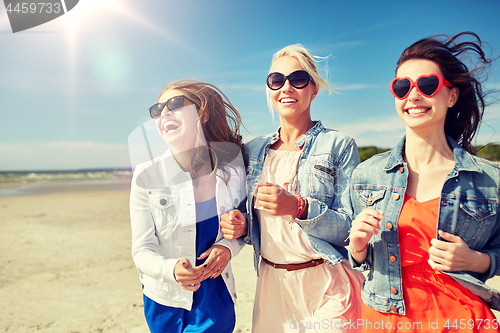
pixel 314 299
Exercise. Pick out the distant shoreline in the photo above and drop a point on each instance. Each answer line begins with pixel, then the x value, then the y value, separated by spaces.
pixel 63 186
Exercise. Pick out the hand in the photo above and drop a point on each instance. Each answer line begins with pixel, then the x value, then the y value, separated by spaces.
pixel 275 200
pixel 364 226
pixel 188 277
pixel 455 255
pixel 233 224
pixel 218 258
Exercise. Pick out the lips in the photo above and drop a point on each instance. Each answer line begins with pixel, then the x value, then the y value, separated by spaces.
pixel 416 111
pixel 288 100
pixel 171 125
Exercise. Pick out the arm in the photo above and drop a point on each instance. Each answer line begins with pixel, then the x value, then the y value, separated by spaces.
pixel 333 223
pixel 233 225
pixel 453 255
pixel 144 241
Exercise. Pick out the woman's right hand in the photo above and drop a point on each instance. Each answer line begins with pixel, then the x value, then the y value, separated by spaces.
pixel 364 226
pixel 187 276
pixel 233 224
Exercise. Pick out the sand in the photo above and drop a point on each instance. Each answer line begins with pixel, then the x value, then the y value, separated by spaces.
pixel 65 266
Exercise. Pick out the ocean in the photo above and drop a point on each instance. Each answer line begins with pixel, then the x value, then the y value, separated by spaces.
pixel 28 183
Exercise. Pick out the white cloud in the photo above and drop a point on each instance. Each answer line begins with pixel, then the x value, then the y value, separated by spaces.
pixel 54 83
pixel 383 133
pixel 63 155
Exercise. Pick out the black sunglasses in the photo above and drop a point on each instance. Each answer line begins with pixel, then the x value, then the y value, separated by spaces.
pixel 173 104
pixel 298 79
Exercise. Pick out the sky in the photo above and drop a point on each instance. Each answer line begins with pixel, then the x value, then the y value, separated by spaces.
pixel 75 91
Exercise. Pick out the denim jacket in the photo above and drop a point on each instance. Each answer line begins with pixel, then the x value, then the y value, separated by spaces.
pixel 469 208
pixel 325 166
pixel 163 220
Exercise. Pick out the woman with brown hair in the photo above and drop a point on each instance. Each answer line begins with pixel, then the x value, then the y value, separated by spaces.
pixel 175 204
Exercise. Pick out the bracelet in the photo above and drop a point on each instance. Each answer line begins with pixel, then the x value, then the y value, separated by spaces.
pixel 360 251
pixel 301 206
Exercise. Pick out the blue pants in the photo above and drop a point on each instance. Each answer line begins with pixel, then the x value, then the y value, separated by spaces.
pixel 212 311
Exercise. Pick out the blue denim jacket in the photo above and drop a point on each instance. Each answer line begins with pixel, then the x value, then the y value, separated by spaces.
pixel 469 208
pixel 325 166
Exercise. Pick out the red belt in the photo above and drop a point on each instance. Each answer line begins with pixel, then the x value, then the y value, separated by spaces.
pixel 293 267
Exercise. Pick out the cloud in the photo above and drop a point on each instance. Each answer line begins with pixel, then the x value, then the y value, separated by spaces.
pixel 51 83
pixel 378 132
pixel 63 155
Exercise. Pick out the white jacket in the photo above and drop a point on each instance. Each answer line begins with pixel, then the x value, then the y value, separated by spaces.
pixel 163 219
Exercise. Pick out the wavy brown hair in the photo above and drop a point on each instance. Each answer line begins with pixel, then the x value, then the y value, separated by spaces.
pixel 220 122
pixel 463 119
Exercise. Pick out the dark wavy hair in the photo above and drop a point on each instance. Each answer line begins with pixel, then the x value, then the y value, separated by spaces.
pixel 463 119
pixel 220 122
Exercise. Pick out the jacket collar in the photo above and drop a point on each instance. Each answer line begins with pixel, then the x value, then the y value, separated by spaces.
pixel 463 160
pixel 314 131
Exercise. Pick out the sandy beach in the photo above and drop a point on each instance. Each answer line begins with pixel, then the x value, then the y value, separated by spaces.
pixel 65 266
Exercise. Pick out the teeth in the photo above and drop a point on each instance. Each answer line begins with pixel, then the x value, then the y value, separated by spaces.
pixel 288 100
pixel 171 125
pixel 417 111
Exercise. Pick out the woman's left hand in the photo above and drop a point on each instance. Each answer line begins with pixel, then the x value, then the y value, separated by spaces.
pixel 218 258
pixel 275 200
pixel 455 255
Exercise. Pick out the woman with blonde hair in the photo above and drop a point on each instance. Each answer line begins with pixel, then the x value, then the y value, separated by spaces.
pixel 299 209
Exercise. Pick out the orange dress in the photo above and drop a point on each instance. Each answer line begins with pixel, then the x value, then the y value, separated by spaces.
pixel 434 301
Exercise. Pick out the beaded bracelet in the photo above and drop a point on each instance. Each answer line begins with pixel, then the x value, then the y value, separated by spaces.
pixel 360 251
pixel 301 206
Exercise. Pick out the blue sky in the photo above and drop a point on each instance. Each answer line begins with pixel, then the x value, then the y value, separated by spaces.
pixel 73 90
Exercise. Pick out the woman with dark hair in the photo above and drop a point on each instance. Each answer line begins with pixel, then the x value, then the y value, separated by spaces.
pixel 175 204
pixel 428 212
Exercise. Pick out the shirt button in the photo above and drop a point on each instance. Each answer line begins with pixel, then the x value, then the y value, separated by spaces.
pixel 392 258
pixel 163 202
pixel 235 296
pixel 227 275
pixel 394 291
pixel 394 309
pixel 388 226
pixel 395 196
pixel 401 169
pixel 222 209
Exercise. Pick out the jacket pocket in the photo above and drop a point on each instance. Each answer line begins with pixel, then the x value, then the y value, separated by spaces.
pixel 162 205
pixel 369 196
pixel 322 180
pixel 476 219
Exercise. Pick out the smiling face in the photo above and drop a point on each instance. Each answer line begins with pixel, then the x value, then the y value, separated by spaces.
pixel 288 101
pixel 180 129
pixel 420 112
